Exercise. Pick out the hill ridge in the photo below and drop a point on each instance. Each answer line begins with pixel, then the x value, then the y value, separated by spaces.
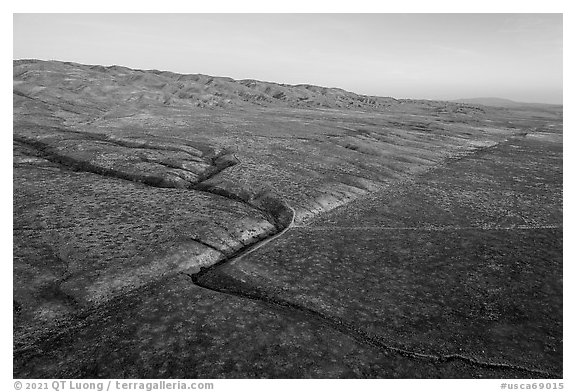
pixel 204 90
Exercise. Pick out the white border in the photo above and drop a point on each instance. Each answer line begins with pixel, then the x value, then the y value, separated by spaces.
pixel 231 6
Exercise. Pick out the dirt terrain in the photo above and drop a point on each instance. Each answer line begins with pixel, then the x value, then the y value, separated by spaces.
pixel 192 226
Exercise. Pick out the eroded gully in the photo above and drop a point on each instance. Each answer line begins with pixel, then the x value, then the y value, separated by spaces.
pixel 214 279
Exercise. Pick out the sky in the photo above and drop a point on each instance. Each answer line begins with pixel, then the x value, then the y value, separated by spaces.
pixel 429 56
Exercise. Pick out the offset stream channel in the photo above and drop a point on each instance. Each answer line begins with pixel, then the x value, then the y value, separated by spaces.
pixel 215 278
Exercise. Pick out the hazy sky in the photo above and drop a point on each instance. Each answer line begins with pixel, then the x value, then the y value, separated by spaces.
pixel 433 56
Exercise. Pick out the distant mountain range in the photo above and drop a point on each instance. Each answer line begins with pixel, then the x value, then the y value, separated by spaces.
pixel 499 102
pixel 144 87
pixel 94 88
